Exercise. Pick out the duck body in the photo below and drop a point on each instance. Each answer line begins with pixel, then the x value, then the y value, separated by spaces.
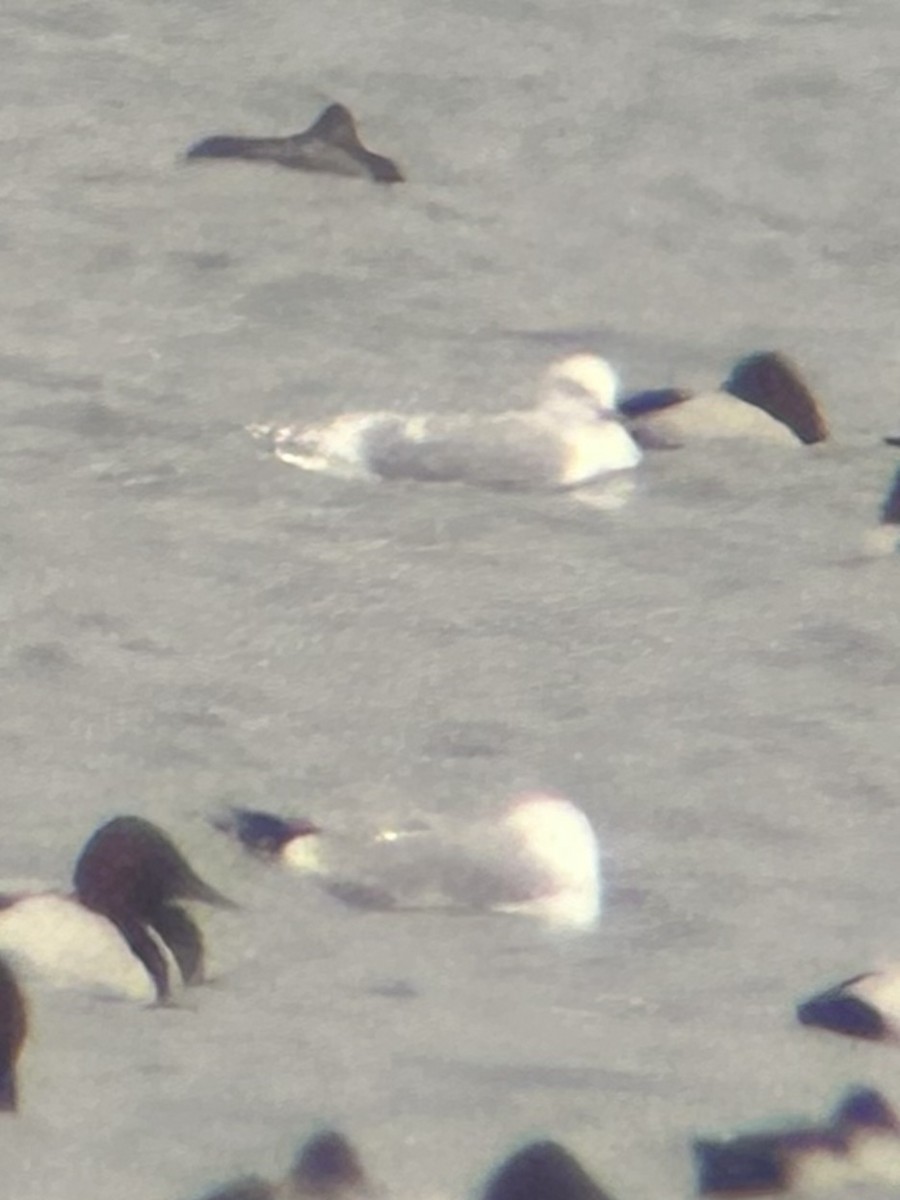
pixel 764 400
pixel 54 937
pixel 673 417
pixel 860 1141
pixel 330 145
pixel 866 1006
pixel 121 930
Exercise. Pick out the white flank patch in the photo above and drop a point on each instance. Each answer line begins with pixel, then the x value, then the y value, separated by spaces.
pixel 53 939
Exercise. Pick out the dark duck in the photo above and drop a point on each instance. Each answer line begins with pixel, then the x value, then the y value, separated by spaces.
pixel 331 145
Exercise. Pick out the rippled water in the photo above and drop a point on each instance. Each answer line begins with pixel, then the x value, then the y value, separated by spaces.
pixel 709 671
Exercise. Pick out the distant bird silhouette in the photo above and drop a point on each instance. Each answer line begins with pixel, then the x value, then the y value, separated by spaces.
pixel 542 1171
pixel 860 1141
pixel 327 1167
pixel 13 1030
pixel 331 144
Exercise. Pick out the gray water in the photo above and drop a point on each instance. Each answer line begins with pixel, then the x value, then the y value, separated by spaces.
pixel 710 671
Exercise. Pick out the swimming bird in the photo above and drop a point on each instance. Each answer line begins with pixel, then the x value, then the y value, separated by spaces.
pixel 865 1006
pixel 121 928
pixel 572 436
pixel 327 1167
pixel 542 1170
pixel 331 144
pixel 13 1031
pixel 759 1164
pixel 540 859
pixel 764 399
pixel 861 1141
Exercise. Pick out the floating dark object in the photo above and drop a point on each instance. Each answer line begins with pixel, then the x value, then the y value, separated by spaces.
pixel 773 383
pixel 826 1155
pixel 864 1110
pixel 331 144
pixel 327 1167
pixel 890 509
pixel 758 1164
pixel 13 1030
pixel 542 1171
pixel 865 1006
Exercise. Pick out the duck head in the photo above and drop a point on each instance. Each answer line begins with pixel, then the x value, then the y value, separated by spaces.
pixel 329 1168
pixel 265 834
pixel 132 873
pixel 542 1171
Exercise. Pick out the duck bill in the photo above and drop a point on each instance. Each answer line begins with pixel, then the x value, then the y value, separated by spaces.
pixel 197 889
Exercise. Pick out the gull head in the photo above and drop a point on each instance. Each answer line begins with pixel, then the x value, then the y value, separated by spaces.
pixel 582 385
pixel 558 837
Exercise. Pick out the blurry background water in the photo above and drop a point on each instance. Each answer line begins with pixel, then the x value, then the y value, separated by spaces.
pixel 709 671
